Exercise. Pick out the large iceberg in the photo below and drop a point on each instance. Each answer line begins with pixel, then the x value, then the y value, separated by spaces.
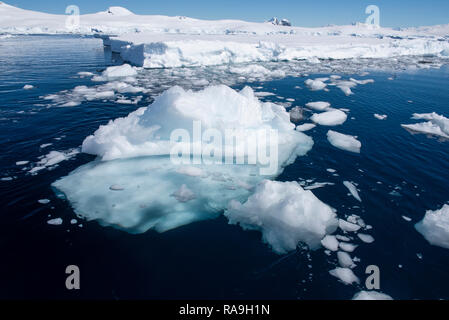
pixel 137 184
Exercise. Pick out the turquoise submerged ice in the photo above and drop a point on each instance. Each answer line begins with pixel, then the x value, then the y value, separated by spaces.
pixel 134 184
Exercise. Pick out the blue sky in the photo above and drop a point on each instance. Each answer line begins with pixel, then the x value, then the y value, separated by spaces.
pixel 393 13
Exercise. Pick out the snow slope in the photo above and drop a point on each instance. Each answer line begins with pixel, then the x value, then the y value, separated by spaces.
pixel 156 41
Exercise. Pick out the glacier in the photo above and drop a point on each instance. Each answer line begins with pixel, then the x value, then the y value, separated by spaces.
pixel 154 41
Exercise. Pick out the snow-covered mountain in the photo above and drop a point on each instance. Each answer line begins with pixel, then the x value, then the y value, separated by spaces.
pixel 118 20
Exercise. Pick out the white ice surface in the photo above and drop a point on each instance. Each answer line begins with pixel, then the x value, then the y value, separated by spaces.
pixel 286 214
pixel 345 275
pixel 344 141
pixel 436 125
pixel 435 227
pixel 371 295
pixel 352 189
pixel 330 118
pixel 318 105
pixel 305 127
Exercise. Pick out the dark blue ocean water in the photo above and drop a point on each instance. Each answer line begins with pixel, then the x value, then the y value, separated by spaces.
pixel 211 259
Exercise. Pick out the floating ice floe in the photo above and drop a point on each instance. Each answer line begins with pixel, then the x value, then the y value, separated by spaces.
pixel 22 163
pixel 317 185
pixel 330 243
pixel 44 201
pixel 330 118
pixel 366 237
pixel 435 227
pixel 55 222
pixel 115 72
pixel 134 152
pixel 345 275
pixel 305 127
pixel 348 226
pixel 286 214
pixel 437 125
pixel 371 295
pixel 52 159
pixel 344 141
pixel 345 260
pixel 315 85
pixel 352 189
pixel 380 116
pixel 28 87
pixel 348 247
pixel 318 105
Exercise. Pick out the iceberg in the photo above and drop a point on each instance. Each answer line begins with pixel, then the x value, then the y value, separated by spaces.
pixel 158 192
pixel 286 214
pixel 435 227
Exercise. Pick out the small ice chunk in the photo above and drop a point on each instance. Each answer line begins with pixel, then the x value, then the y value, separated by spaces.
pixel 331 170
pixel 124 70
pixel 406 218
pixel 55 222
pixel 43 201
pixel 365 238
pixel 352 189
pixel 22 163
pixel 380 116
pixel 348 247
pixel 437 125
pixel 330 118
pixel 296 114
pixel 371 295
pixel 315 85
pixel 318 105
pixel 184 194
pixel 342 238
pixel 344 259
pixel 73 221
pixel 435 227
pixel 348 226
pixel 286 214
pixel 116 187
pixel 345 275
pixel 343 141
pixel 28 87
pixel 330 243
pixel 305 127
pixel 263 94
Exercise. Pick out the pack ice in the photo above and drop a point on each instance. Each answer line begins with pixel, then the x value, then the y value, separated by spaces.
pixel 156 193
